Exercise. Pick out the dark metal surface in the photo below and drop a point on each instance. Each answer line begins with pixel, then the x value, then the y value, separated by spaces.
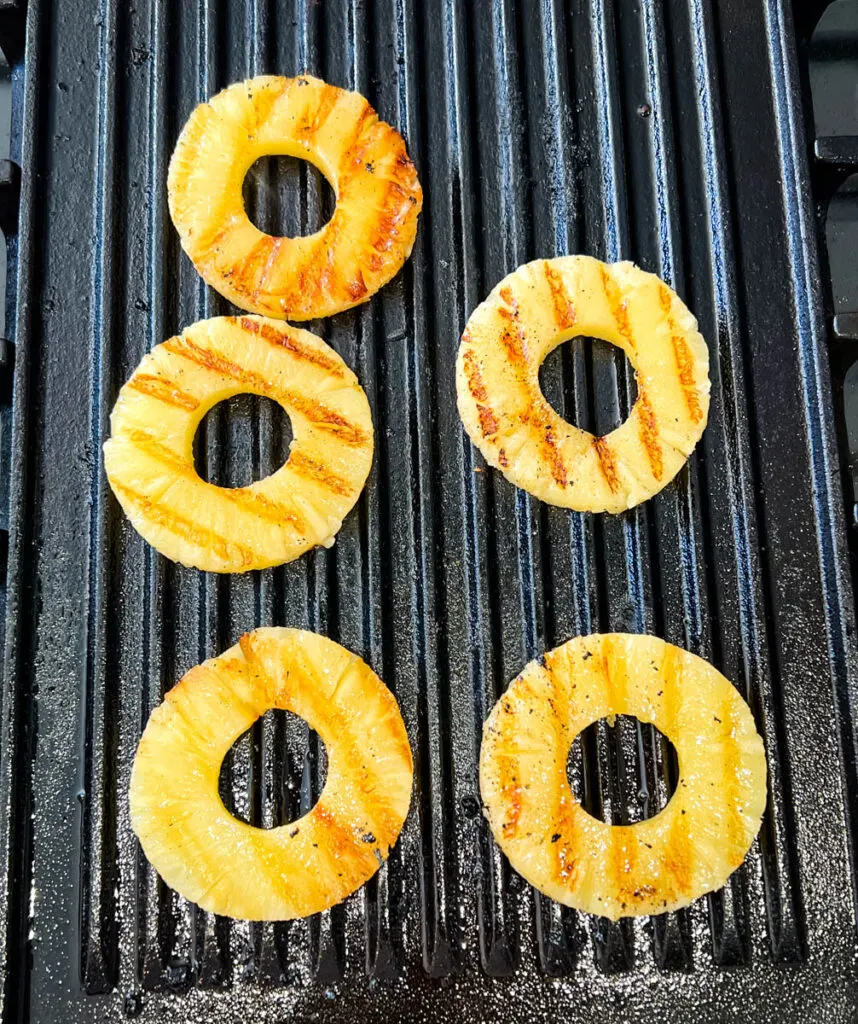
pixel 666 131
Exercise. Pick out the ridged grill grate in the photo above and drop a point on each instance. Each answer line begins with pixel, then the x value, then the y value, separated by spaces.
pixel 664 131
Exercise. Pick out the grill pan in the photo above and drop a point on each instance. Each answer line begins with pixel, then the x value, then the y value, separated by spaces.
pixel 665 131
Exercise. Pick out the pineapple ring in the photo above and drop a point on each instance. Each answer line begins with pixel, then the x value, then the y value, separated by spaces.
pixel 689 848
pixel 537 308
pixel 358 251
pixel 149 456
pixel 232 868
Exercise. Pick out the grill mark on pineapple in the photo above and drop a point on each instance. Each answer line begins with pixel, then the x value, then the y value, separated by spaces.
pixel 564 311
pixel 263 100
pixel 263 507
pixel 288 341
pixel 677 848
pixel 605 458
pixel 622 863
pixel 264 273
pixel 356 288
pixel 619 307
pixel 682 355
pixel 385 821
pixel 548 441
pixel 163 390
pixel 685 370
pixel 186 529
pixel 183 346
pixel 678 856
pixel 363 123
pixel 315 412
pixel 540 419
pixel 512 337
pixel 153 446
pixel 649 435
pixel 253 501
pixel 486 415
pixel 245 274
pixel 340 844
pixel 510 789
pixel 328 99
pixel 308 468
pixel 614 689
pixel 393 211
pixel 564 862
pixel 326 419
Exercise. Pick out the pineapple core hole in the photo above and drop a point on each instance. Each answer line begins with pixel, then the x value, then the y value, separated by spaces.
pixel 287 197
pixel 274 773
pixel 242 440
pixel 636 764
pixel 580 380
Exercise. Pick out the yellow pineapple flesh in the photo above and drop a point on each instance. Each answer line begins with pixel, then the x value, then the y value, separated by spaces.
pixel 370 234
pixel 660 864
pixel 537 308
pixel 149 455
pixel 230 867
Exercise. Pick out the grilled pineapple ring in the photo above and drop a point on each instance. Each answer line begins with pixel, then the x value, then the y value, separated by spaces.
pixel 364 244
pixel 531 312
pixel 227 866
pixel 149 456
pixel 689 848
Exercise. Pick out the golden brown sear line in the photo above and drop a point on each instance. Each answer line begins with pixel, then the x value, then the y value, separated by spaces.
pixel 617 306
pixel 264 100
pixel 304 466
pixel 509 786
pixel 328 100
pixel 564 311
pixel 287 340
pixel 185 528
pixel 263 507
pixel 203 356
pixel 261 285
pixel 488 420
pixel 357 286
pixel 164 390
pixel 555 459
pixel 606 462
pixel 151 445
pixel 326 419
pixel 685 370
pixel 475 378
pixel 649 435
pixel 245 274
pixel 351 153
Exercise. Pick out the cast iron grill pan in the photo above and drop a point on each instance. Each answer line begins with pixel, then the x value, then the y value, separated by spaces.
pixel 664 131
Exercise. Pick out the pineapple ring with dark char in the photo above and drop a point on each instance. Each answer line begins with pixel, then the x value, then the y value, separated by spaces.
pixel 531 312
pixel 663 863
pixel 149 456
pixel 232 868
pixel 358 251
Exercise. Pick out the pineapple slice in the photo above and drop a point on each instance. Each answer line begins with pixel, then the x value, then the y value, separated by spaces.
pixel 531 312
pixel 378 195
pixel 229 867
pixel 149 456
pixel 689 848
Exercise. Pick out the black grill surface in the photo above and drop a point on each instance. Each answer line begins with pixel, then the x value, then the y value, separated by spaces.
pixel 664 131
